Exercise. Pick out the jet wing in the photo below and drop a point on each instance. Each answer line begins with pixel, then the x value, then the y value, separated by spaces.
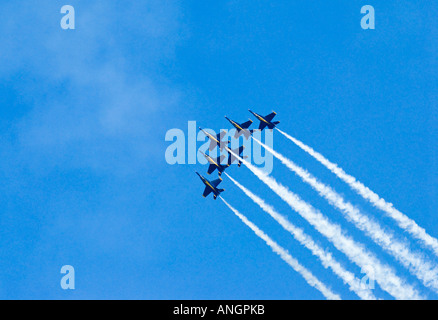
pixel 246 125
pixel 207 191
pixel 244 130
pixel 262 125
pixel 216 182
pixel 211 169
pixel 270 116
pixel 246 133
pixel 238 133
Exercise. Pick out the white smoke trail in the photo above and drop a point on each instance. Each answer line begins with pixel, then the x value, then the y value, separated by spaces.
pixel 306 274
pixel 384 275
pixel 326 257
pixel 402 220
pixel 414 262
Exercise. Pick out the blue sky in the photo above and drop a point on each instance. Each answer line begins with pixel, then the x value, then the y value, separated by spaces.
pixel 84 114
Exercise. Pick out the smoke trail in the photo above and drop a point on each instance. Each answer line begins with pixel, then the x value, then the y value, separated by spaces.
pixel 414 262
pixel 326 257
pixel 402 220
pixel 384 275
pixel 306 274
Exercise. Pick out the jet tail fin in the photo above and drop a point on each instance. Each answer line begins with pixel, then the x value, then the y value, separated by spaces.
pixel 219 192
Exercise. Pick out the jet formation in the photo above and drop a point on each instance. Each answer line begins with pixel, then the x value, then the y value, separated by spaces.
pixel 217 141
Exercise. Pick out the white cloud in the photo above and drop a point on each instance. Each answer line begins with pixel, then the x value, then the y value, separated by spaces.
pixel 94 93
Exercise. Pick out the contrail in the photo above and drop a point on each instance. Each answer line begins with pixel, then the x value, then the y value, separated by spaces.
pixel 306 274
pixel 326 257
pixel 414 262
pixel 401 219
pixel 384 275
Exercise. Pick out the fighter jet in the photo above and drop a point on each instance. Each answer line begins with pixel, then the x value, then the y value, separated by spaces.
pixel 237 151
pixel 216 140
pixel 241 128
pixel 216 164
pixel 266 121
pixel 211 187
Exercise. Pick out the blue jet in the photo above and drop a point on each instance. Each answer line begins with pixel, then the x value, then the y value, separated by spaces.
pixel 216 140
pixel 241 128
pixel 266 121
pixel 211 187
pixel 215 163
